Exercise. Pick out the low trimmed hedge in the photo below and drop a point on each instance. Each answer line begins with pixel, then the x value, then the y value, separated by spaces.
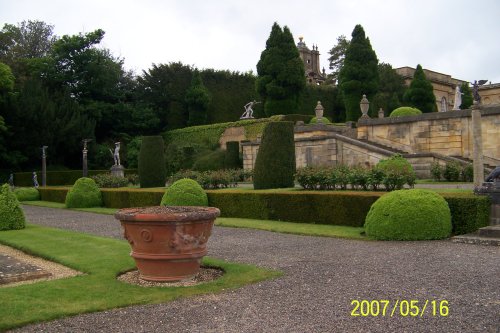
pixel 59 178
pixel 468 211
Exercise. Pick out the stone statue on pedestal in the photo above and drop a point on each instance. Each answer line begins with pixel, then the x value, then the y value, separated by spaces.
pixel 248 114
pixel 458 98
pixel 116 153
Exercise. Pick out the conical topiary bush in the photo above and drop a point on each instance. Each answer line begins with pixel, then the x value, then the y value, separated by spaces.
pixel 11 214
pixel 152 171
pixel 275 162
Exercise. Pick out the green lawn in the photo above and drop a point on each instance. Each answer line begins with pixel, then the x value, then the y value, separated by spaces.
pixel 101 259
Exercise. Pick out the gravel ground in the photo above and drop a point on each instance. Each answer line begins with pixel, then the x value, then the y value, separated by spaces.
pixel 322 277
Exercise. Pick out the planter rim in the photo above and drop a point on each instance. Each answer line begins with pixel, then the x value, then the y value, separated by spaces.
pixel 167 213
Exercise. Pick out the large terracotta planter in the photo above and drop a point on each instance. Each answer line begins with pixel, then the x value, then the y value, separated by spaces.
pixel 168 242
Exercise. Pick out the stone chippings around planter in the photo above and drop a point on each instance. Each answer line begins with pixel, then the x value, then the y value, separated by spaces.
pixel 206 274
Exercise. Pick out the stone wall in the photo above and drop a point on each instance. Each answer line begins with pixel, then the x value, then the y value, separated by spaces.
pixel 446 133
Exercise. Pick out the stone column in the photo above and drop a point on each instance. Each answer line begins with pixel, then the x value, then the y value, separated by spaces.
pixel 44 166
pixel 477 145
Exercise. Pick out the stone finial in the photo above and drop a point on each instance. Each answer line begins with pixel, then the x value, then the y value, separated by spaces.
pixel 381 113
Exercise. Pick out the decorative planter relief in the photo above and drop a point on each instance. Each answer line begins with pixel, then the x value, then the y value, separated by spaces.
pixel 168 242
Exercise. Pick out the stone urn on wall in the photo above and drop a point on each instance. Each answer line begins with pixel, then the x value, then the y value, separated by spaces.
pixel 168 242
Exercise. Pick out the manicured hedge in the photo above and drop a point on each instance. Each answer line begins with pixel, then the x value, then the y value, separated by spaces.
pixel 468 212
pixel 57 178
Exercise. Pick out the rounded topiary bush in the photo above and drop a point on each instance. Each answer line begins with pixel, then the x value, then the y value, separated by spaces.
pixel 324 120
pixel 11 214
pixel 84 194
pixel 27 194
pixel 397 172
pixel 405 111
pixel 409 215
pixel 275 162
pixel 184 192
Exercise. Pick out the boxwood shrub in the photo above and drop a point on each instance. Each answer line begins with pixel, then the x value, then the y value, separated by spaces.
pixel 415 214
pixel 184 192
pixel 84 194
pixel 26 193
pixel 11 214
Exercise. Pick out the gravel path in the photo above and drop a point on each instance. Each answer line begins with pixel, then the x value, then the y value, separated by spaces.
pixel 322 277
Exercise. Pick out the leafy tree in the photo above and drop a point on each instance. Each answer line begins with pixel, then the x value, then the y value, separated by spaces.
pixel 337 56
pixel 29 39
pixel 281 76
pixel 391 89
pixel 163 89
pixel 467 99
pixel 359 74
pixel 6 79
pixel 197 100
pixel 420 94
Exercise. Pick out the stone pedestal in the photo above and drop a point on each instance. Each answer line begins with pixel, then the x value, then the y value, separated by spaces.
pixel 118 171
pixel 477 145
pixel 493 191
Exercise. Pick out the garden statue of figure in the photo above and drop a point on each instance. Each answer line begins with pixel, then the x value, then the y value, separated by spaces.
pixel 116 154
pixel 494 175
pixel 475 89
pixel 248 114
pixel 35 180
pixel 458 98
pixel 11 180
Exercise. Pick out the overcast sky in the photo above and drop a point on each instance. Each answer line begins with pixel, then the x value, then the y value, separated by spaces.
pixel 459 38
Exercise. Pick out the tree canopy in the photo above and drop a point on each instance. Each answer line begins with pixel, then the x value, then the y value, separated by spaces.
pixel 281 76
pixel 420 94
pixel 359 74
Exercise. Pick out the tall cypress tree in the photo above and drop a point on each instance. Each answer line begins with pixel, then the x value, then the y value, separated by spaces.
pixel 281 77
pixel 197 100
pixel 359 74
pixel 420 94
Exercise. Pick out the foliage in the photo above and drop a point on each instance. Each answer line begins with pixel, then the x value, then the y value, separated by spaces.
pixel 451 171
pixel 197 100
pixel 84 194
pixel 61 177
pixel 26 193
pixel 214 179
pixel 337 56
pixel 359 74
pixel 323 120
pixel 420 94
pixel 405 111
pixel 185 192
pixel 12 216
pixel 397 172
pixel 436 171
pixel 27 40
pixel 468 212
pixel 467 98
pixel 212 161
pixel 232 157
pixel 152 171
pixel 275 162
pixel 390 91
pixel 409 215
pixel 107 180
pixel 6 78
pixel 281 77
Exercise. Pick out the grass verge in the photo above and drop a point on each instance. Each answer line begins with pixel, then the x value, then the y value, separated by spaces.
pixel 99 289
pixel 305 229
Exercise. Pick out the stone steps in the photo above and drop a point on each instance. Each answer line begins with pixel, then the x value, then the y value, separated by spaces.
pixel 484 236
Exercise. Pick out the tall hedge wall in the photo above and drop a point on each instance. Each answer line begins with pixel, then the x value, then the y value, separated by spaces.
pixel 468 212
pixel 152 172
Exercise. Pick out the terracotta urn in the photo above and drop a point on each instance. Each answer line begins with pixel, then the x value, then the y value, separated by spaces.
pixel 168 242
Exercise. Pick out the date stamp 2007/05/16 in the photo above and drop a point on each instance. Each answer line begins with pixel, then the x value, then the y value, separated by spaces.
pixel 403 308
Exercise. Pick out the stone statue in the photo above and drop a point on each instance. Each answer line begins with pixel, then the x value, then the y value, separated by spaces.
pixel 458 98
pixel 475 89
pixel 35 180
pixel 116 154
pixel 494 175
pixel 11 180
pixel 248 114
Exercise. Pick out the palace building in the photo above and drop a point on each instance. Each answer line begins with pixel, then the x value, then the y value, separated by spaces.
pixel 311 63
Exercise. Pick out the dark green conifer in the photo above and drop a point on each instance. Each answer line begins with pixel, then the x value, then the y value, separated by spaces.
pixel 420 94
